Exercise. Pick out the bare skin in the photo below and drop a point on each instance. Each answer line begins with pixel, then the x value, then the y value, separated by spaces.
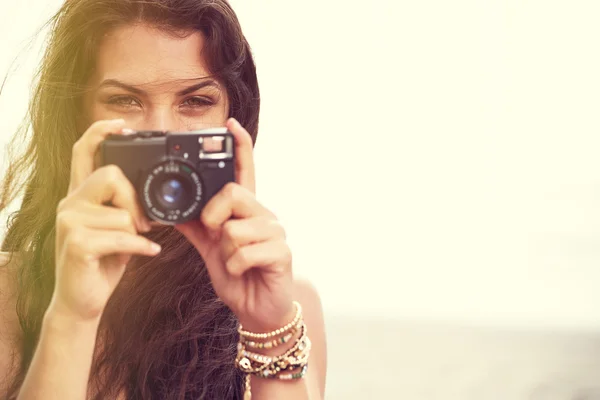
pixel 9 325
pixel 143 89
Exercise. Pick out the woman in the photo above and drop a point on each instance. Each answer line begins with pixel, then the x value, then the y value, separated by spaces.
pixel 88 307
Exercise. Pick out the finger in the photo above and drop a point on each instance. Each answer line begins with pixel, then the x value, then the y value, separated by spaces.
pixel 244 158
pixel 86 244
pixel 233 200
pixel 270 256
pixel 99 217
pixel 237 233
pixel 82 161
pixel 197 235
pixel 109 184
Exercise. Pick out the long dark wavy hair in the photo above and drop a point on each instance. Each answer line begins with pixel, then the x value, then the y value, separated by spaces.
pixel 164 332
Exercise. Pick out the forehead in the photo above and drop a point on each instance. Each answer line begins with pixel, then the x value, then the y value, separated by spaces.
pixel 139 54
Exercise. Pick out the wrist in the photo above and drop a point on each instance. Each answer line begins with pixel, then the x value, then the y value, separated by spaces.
pixel 66 324
pixel 266 325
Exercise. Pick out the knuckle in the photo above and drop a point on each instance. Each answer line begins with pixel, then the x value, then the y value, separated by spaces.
pixel 271 214
pixel 229 230
pixel 232 263
pixel 241 258
pixel 61 205
pixel 277 228
pixel 74 242
pixel 126 218
pixel 63 220
pixel 229 264
pixel 77 147
pixel 122 240
pixel 112 172
pixel 230 189
pixel 286 253
pixel 206 219
pixel 111 175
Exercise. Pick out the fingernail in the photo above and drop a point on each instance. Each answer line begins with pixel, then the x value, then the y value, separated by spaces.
pixel 155 247
pixel 127 131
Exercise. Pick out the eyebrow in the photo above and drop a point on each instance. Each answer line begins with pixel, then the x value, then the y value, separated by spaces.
pixel 138 91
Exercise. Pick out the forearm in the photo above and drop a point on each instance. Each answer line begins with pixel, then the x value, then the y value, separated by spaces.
pixel 270 389
pixel 60 367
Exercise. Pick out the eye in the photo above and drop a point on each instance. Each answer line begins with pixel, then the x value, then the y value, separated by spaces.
pixel 124 101
pixel 198 101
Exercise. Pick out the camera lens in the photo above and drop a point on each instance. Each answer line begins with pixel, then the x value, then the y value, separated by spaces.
pixel 171 191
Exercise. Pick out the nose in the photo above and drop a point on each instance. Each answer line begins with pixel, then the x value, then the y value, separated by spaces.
pixel 162 119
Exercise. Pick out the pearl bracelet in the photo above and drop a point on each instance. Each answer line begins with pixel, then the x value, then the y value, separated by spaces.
pixel 272 343
pixel 276 332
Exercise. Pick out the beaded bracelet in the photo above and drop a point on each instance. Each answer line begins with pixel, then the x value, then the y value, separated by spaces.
pixel 294 376
pixel 283 377
pixel 271 369
pixel 269 366
pixel 276 332
pixel 245 363
pixel 292 362
pixel 273 343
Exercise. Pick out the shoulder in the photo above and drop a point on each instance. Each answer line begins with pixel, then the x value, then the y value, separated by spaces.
pixel 8 268
pixel 8 288
pixel 8 292
pixel 7 260
pixel 4 257
pixel 9 322
pixel 308 296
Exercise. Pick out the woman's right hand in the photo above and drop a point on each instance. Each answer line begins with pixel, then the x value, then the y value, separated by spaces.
pixel 94 241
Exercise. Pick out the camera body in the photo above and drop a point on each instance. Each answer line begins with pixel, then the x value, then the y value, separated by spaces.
pixel 174 173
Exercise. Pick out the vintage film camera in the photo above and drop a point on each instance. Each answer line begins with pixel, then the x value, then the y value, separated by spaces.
pixel 174 173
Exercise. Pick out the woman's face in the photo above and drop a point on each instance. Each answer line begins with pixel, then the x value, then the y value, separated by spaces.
pixel 155 81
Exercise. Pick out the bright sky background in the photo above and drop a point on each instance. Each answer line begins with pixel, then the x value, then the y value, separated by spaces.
pixel 428 159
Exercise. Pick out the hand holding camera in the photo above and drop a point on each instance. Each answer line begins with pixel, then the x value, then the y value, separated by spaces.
pixel 95 241
pixel 119 183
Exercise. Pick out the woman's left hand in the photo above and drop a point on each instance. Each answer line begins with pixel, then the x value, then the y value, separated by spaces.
pixel 244 247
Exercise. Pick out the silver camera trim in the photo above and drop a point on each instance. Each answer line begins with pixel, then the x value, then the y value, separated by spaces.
pixel 227 154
